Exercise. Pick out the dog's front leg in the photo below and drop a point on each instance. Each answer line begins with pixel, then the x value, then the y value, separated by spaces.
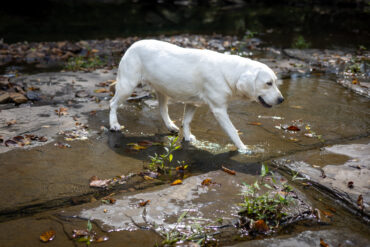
pixel 222 117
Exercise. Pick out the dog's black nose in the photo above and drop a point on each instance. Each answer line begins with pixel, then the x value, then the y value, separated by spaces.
pixel 280 100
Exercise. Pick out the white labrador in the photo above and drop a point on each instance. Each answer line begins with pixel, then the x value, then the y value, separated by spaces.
pixel 193 76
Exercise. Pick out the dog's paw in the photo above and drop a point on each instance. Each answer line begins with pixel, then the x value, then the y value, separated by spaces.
pixel 173 128
pixel 245 150
pixel 116 127
pixel 191 138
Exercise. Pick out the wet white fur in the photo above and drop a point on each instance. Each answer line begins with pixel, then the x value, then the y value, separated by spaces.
pixel 193 76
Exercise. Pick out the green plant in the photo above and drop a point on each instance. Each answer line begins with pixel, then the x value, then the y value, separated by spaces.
pixel 300 43
pixel 84 63
pixel 162 161
pixel 269 205
pixel 196 233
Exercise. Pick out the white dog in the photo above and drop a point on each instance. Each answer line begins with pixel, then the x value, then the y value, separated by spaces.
pixel 193 76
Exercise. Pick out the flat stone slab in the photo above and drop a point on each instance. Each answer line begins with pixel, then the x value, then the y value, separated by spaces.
pixel 312 238
pixel 343 170
pixel 208 203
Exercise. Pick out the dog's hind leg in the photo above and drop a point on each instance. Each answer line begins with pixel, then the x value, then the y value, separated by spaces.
pixel 127 80
pixel 163 108
pixel 188 116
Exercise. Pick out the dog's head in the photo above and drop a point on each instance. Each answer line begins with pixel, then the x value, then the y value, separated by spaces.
pixel 260 85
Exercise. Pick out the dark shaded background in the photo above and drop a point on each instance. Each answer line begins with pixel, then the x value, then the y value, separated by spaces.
pixel 325 24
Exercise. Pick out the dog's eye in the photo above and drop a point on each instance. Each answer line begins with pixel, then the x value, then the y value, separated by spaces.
pixel 269 84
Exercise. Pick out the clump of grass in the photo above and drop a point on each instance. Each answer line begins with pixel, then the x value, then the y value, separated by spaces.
pixel 265 200
pixel 300 43
pixel 89 62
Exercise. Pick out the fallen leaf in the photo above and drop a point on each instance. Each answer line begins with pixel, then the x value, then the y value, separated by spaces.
pixel 350 184
pixel 47 236
pixel 231 172
pixel 147 143
pixel 176 182
pixel 293 128
pixel 149 174
pixel 77 233
pixel 136 147
pixel 293 139
pixel 62 111
pixel 360 202
pixel 11 122
pixel 260 226
pixel 42 139
pixel 144 203
pixel 108 200
pixel 327 214
pixel 147 177
pixel 105 210
pixel 101 90
pixel 255 123
pixel 96 182
pixel 355 81
pixel 322 243
pixel 207 181
pixel 10 143
pixel 62 145
pixel 93 113
pixel 102 239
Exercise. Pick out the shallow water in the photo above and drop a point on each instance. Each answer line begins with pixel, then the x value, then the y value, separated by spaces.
pixel 47 177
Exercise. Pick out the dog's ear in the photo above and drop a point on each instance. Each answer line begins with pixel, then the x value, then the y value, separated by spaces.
pixel 246 85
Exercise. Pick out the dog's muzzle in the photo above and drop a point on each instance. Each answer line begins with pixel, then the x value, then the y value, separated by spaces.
pixel 263 102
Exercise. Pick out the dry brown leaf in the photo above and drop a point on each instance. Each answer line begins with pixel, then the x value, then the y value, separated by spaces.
pixel 42 139
pixel 47 236
pixel 322 243
pixel 101 90
pixel 77 233
pixel 350 184
pixel 231 172
pixel 98 183
pixel 147 177
pixel 260 226
pixel 11 122
pixel 360 202
pixel 102 239
pixel 327 214
pixel 293 128
pixel 255 123
pixel 10 143
pixel 176 182
pixel 207 181
pixel 62 111
pixel 144 203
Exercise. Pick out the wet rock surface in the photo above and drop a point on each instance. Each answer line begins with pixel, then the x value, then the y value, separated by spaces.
pixel 312 238
pixel 343 170
pixel 57 139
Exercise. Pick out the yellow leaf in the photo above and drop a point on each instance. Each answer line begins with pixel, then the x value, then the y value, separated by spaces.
pixel 47 236
pixel 177 182
pixel 207 181
pixel 148 178
pixel 101 90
